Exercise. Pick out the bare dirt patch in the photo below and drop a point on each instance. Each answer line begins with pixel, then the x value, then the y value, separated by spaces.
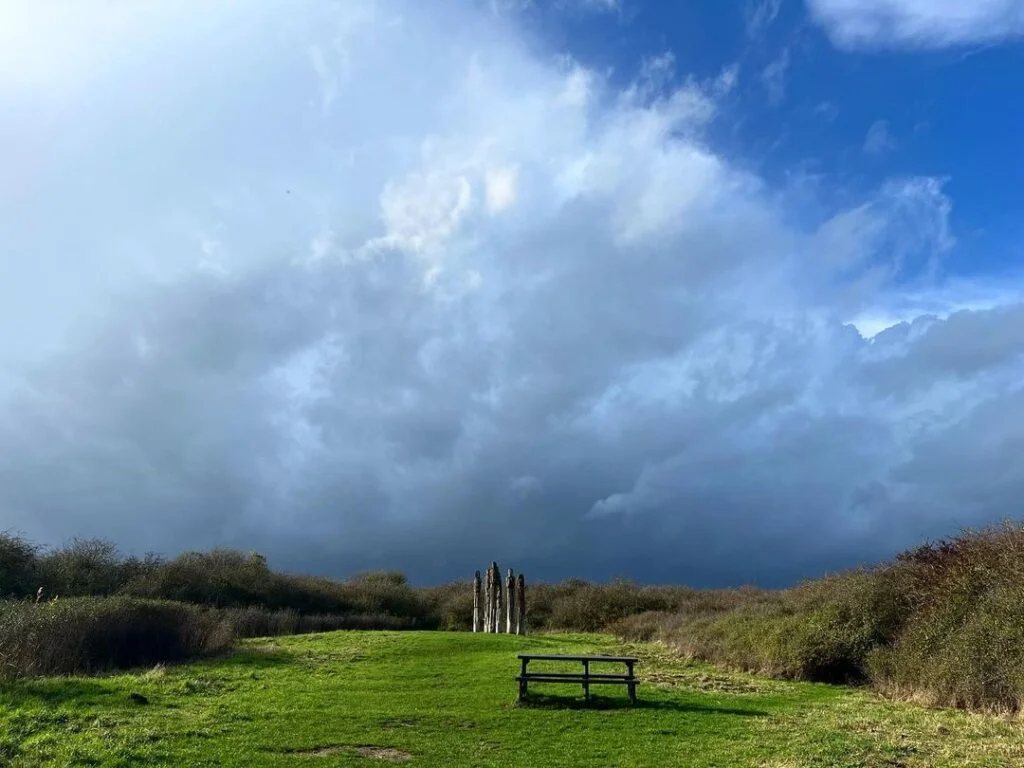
pixel 387 754
pixel 319 751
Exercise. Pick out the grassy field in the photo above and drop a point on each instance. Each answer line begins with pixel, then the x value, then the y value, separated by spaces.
pixel 445 699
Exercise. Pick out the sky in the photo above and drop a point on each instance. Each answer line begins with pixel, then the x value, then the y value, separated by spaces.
pixel 706 292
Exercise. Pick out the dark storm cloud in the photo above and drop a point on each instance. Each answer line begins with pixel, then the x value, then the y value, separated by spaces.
pixel 542 322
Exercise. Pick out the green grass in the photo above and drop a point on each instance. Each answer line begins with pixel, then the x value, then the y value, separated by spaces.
pixel 448 700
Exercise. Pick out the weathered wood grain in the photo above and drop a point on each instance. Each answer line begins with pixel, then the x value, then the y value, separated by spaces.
pixel 496 598
pixel 521 605
pixel 488 585
pixel 510 602
pixel 478 623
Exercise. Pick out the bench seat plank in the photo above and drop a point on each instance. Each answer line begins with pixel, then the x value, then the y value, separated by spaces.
pixel 620 659
pixel 580 679
pixel 574 675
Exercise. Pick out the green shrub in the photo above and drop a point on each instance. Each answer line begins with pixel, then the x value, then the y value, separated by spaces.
pixel 85 567
pixel 220 578
pixel 451 605
pixel 19 567
pixel 85 635
pixel 259 622
pixel 229 579
pixel 943 622
pixel 965 644
pixel 389 594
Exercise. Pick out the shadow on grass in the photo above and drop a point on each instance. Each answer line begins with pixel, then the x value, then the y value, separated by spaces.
pixel 100 689
pixel 55 691
pixel 253 658
pixel 548 701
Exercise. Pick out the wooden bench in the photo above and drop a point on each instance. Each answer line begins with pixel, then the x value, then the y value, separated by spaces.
pixel 586 678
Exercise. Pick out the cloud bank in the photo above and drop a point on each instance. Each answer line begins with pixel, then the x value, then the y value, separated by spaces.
pixel 384 286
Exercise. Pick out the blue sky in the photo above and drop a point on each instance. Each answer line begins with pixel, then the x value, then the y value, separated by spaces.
pixel 705 292
pixel 856 114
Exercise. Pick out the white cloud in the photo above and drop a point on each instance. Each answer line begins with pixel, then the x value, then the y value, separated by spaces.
pixel 597 5
pixel 83 46
pixel 758 15
pixel 533 296
pixel 827 111
pixel 578 87
pixel 327 79
pixel 773 77
pixel 890 310
pixel 501 188
pixel 214 258
pixel 726 80
pixel 501 7
pixel 322 244
pixel 423 212
pixel 879 138
pixel 918 23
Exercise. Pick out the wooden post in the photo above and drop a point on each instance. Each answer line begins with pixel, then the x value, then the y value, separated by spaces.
pixel 521 606
pixel 488 585
pixel 496 597
pixel 478 623
pixel 510 602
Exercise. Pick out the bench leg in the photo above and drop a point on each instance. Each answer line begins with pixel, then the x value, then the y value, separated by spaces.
pixel 632 693
pixel 586 680
pixel 522 690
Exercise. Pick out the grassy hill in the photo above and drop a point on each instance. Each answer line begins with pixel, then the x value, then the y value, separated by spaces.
pixel 448 699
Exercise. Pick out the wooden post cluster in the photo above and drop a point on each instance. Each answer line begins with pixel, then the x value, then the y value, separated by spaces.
pixel 490 595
